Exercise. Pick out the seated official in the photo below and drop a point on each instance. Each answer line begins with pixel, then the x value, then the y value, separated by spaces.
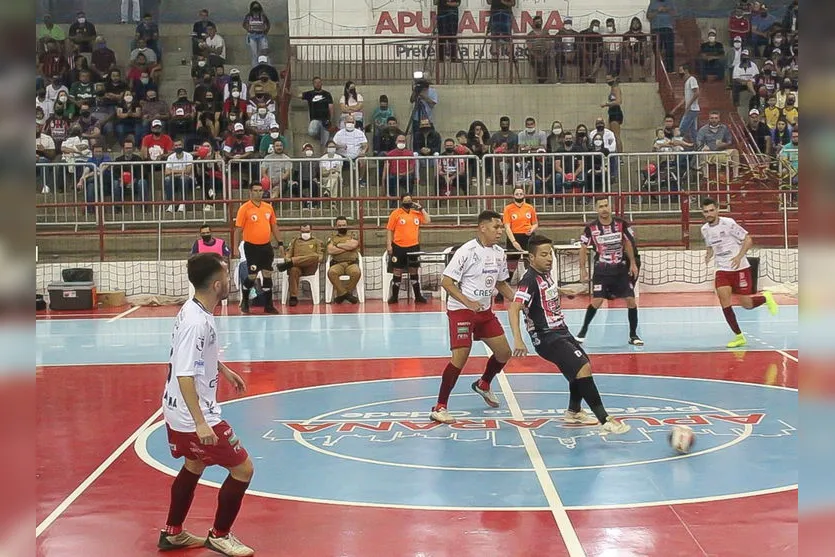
pixel 344 251
pixel 303 258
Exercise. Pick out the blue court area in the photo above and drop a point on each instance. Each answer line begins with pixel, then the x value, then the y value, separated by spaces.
pixel 391 335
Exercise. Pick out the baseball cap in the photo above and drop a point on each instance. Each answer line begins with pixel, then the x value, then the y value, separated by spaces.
pixel 156 123
pixel 753 111
pixel 769 63
pixel 234 71
pixel 745 51
pixel 180 112
pixel 262 59
pixel 275 126
pixel 238 127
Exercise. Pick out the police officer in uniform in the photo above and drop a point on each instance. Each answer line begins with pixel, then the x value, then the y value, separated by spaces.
pixel 615 266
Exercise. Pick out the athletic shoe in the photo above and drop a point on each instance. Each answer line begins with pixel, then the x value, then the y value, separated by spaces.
pixel 738 341
pixel 419 299
pixel 183 540
pixel 244 302
pixel 351 298
pixel 770 303
pixel 489 396
pixel 580 338
pixel 228 545
pixel 635 340
pixel 293 301
pixel 270 308
pixel 282 267
pixel 614 426
pixel 441 414
pixel 581 417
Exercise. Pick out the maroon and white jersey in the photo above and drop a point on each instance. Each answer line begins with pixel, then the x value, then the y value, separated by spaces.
pixel 726 238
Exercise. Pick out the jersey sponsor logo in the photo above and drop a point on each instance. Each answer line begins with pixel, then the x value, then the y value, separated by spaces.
pixel 490 281
pixel 199 366
pixel 417 222
pixel 743 279
pixel 200 344
pixel 253 217
pixel 402 221
pixel 514 216
pixel 610 238
pixel 483 293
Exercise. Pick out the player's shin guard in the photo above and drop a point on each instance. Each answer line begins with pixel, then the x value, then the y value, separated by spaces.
pixel 730 317
pixel 632 314
pixel 448 381
pixel 248 283
pixel 590 313
pixel 394 295
pixel 415 280
pixel 229 501
pixel 182 494
pixel 575 399
pixel 588 390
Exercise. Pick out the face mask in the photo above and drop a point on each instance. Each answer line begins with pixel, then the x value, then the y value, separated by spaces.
pixel 711 39
pixel 598 144
pixel 519 199
pixel 239 135
pixel 401 145
pixel 274 135
pixel 262 112
pixel 745 59
pixel 556 131
pixel 156 131
pixel 407 206
pixel 201 63
pixel 778 41
pixel 236 94
pixel 128 99
pixel 232 117
pixel 790 102
pixel 178 150
pixel 142 49
pixel 569 142
pixel 449 150
pixel 144 80
pixel 600 127
pixel 349 127
pixel 331 150
pixel 610 28
pixel 737 45
pixel 152 99
pixel 795 142
pixel 62 99
pixel 567 27
pixel 530 130
pixel 581 134
pixel 308 153
pixel 713 127
pixel 595 28
pixel 85 113
pixel 610 83
pixel 305 235
pixel 206 237
pixel 82 20
pixel 342 231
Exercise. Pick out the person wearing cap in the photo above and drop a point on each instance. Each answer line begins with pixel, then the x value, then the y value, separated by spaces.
pixel 733 59
pixel 235 84
pixel 744 76
pixel 238 147
pixel 183 116
pixel 760 132
pixel 662 15
pixel 178 182
pixel 269 140
pixel 263 66
pixel 156 145
pixel 767 78
pixel 761 25
pixel 711 58
pixel 260 123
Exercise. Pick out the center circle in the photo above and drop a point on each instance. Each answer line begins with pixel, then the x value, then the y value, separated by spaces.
pixel 371 443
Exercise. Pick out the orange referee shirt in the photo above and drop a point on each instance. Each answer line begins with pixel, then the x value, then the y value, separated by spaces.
pixel 256 222
pixel 405 227
pixel 520 219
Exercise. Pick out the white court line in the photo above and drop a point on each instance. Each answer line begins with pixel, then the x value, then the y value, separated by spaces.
pixel 124 314
pixel 569 535
pixel 88 481
pixel 787 355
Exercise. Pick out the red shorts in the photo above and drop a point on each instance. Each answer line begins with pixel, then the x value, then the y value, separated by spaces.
pixel 739 281
pixel 466 325
pixel 227 452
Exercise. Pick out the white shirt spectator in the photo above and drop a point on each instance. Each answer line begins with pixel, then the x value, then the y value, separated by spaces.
pixel 352 102
pixel 477 269
pixel 726 238
pixel 215 43
pixel 252 107
pixel 746 74
pixel 348 143
pixel 46 105
pixel 244 91
pixel 609 140
pixel 44 142
pixel 75 147
pixel 330 162
pixel 262 124
pixel 690 88
pixel 179 163
pixel 52 92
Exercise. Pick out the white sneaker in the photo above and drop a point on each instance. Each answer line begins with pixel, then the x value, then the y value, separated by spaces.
pixel 614 426
pixel 181 208
pixel 441 415
pixel 169 209
pixel 581 417
pixel 228 545
pixel 579 339
pixel 489 396
pixel 45 189
pixel 183 540
pixel 207 208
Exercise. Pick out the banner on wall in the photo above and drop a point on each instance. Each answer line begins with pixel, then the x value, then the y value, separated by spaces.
pixel 410 18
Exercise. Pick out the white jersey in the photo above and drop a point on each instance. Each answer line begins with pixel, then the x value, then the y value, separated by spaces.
pixel 726 238
pixel 477 269
pixel 194 353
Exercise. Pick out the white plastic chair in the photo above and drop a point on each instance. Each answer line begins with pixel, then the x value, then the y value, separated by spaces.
pixel 360 284
pixel 312 280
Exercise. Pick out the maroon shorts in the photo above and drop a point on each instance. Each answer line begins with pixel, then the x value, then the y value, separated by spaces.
pixel 227 452
pixel 739 281
pixel 466 325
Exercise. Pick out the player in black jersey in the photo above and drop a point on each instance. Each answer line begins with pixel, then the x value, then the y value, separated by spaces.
pixel 539 297
pixel 616 266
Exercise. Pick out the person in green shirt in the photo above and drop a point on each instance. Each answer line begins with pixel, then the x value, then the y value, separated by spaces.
pixel 84 89
pixel 49 31
pixel 381 115
pixel 270 138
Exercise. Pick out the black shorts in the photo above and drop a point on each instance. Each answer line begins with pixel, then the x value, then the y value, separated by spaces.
pixel 563 351
pixel 611 286
pixel 522 240
pixel 400 257
pixel 259 257
pixel 616 116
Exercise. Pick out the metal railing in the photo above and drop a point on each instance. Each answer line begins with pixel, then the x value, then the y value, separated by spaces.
pixel 495 58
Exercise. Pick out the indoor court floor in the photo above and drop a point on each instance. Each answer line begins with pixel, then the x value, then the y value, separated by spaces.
pixel 348 463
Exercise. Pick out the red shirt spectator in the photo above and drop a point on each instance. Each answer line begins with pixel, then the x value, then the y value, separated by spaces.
pixel 739 26
pixel 401 167
pixel 238 143
pixel 157 139
pixel 231 103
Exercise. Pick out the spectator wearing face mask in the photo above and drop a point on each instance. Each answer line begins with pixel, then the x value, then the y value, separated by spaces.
pixel 790 112
pixel 452 172
pixel 638 50
pixel 351 104
pixel 320 109
pixel 612 49
pixel 343 249
pixel 591 51
pixel 235 105
pixel 235 83
pixel 711 58
pixel 767 78
pixel 103 58
pixel 530 139
pixel 98 165
pixel 270 139
pixel 399 173
pixel 277 171
pixel 690 104
pixel 330 171
pixel 554 139
pixel 787 89
pixel 744 76
pixel 208 243
pixel 305 254
pixel 156 145
pixel 733 60
pixel 129 118
pixel 606 135
pixel 91 127
pixel 260 123
pixel 306 176
pixel 153 108
pixel 237 148
pixel 183 116
pixel 778 46
pixel 351 143
pixel 386 138
pixel 133 177
pixel 661 15
pixel 82 33
pixel 760 132
pixel 178 172
pixel 505 135
pixel 257 26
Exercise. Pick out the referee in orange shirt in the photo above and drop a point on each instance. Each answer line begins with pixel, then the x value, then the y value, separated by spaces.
pixel 520 222
pixel 256 221
pixel 403 238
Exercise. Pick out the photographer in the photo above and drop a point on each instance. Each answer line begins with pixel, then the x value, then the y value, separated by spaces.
pixel 424 98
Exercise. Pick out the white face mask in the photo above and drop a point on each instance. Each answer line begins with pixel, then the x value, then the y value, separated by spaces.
pixel 262 112
pixel 305 235
pixel 236 94
pixel 331 150
pixel 128 99
pixel 530 130
pixel 610 28
pixel 556 131
pixel 308 153
pixel 598 144
pixel 201 63
pixel 144 80
pixel 401 145
pixel 595 28
pixel 737 46
pixel 711 39
pixel 274 135
pixel 62 98
pixel 567 27
pixel 349 126
pixel 82 20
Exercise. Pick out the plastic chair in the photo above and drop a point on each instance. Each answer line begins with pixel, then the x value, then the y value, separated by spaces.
pixel 312 280
pixel 360 284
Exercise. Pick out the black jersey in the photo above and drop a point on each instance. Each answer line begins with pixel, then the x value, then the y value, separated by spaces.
pixel 540 299
pixel 607 241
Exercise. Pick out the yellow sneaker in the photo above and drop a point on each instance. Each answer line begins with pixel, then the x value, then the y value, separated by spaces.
pixel 770 303
pixel 738 341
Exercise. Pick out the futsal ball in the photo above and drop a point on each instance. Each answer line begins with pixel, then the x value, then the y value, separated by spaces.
pixel 682 439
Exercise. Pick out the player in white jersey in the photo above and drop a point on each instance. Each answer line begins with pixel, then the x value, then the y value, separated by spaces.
pixel 728 243
pixel 477 268
pixel 195 428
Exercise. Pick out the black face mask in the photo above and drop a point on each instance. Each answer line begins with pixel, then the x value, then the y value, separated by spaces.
pixel 581 134
pixel 600 127
pixel 85 113
pixel 239 135
pixel 519 199
pixel 610 83
pixel 795 143
pixel 745 59
pixel 178 150
pixel 342 231
pixel 182 98
pixel 206 238
pixel 790 102
pixel 449 150
pixel 569 142
pixel 407 206
pixel 156 132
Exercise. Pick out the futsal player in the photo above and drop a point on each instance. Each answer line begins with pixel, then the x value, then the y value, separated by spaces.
pixel 520 222
pixel 615 266
pixel 256 222
pixel 193 420
pixel 539 297
pixel 475 270
pixel 728 242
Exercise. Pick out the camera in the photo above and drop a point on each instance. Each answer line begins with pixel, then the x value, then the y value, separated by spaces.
pixel 420 83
